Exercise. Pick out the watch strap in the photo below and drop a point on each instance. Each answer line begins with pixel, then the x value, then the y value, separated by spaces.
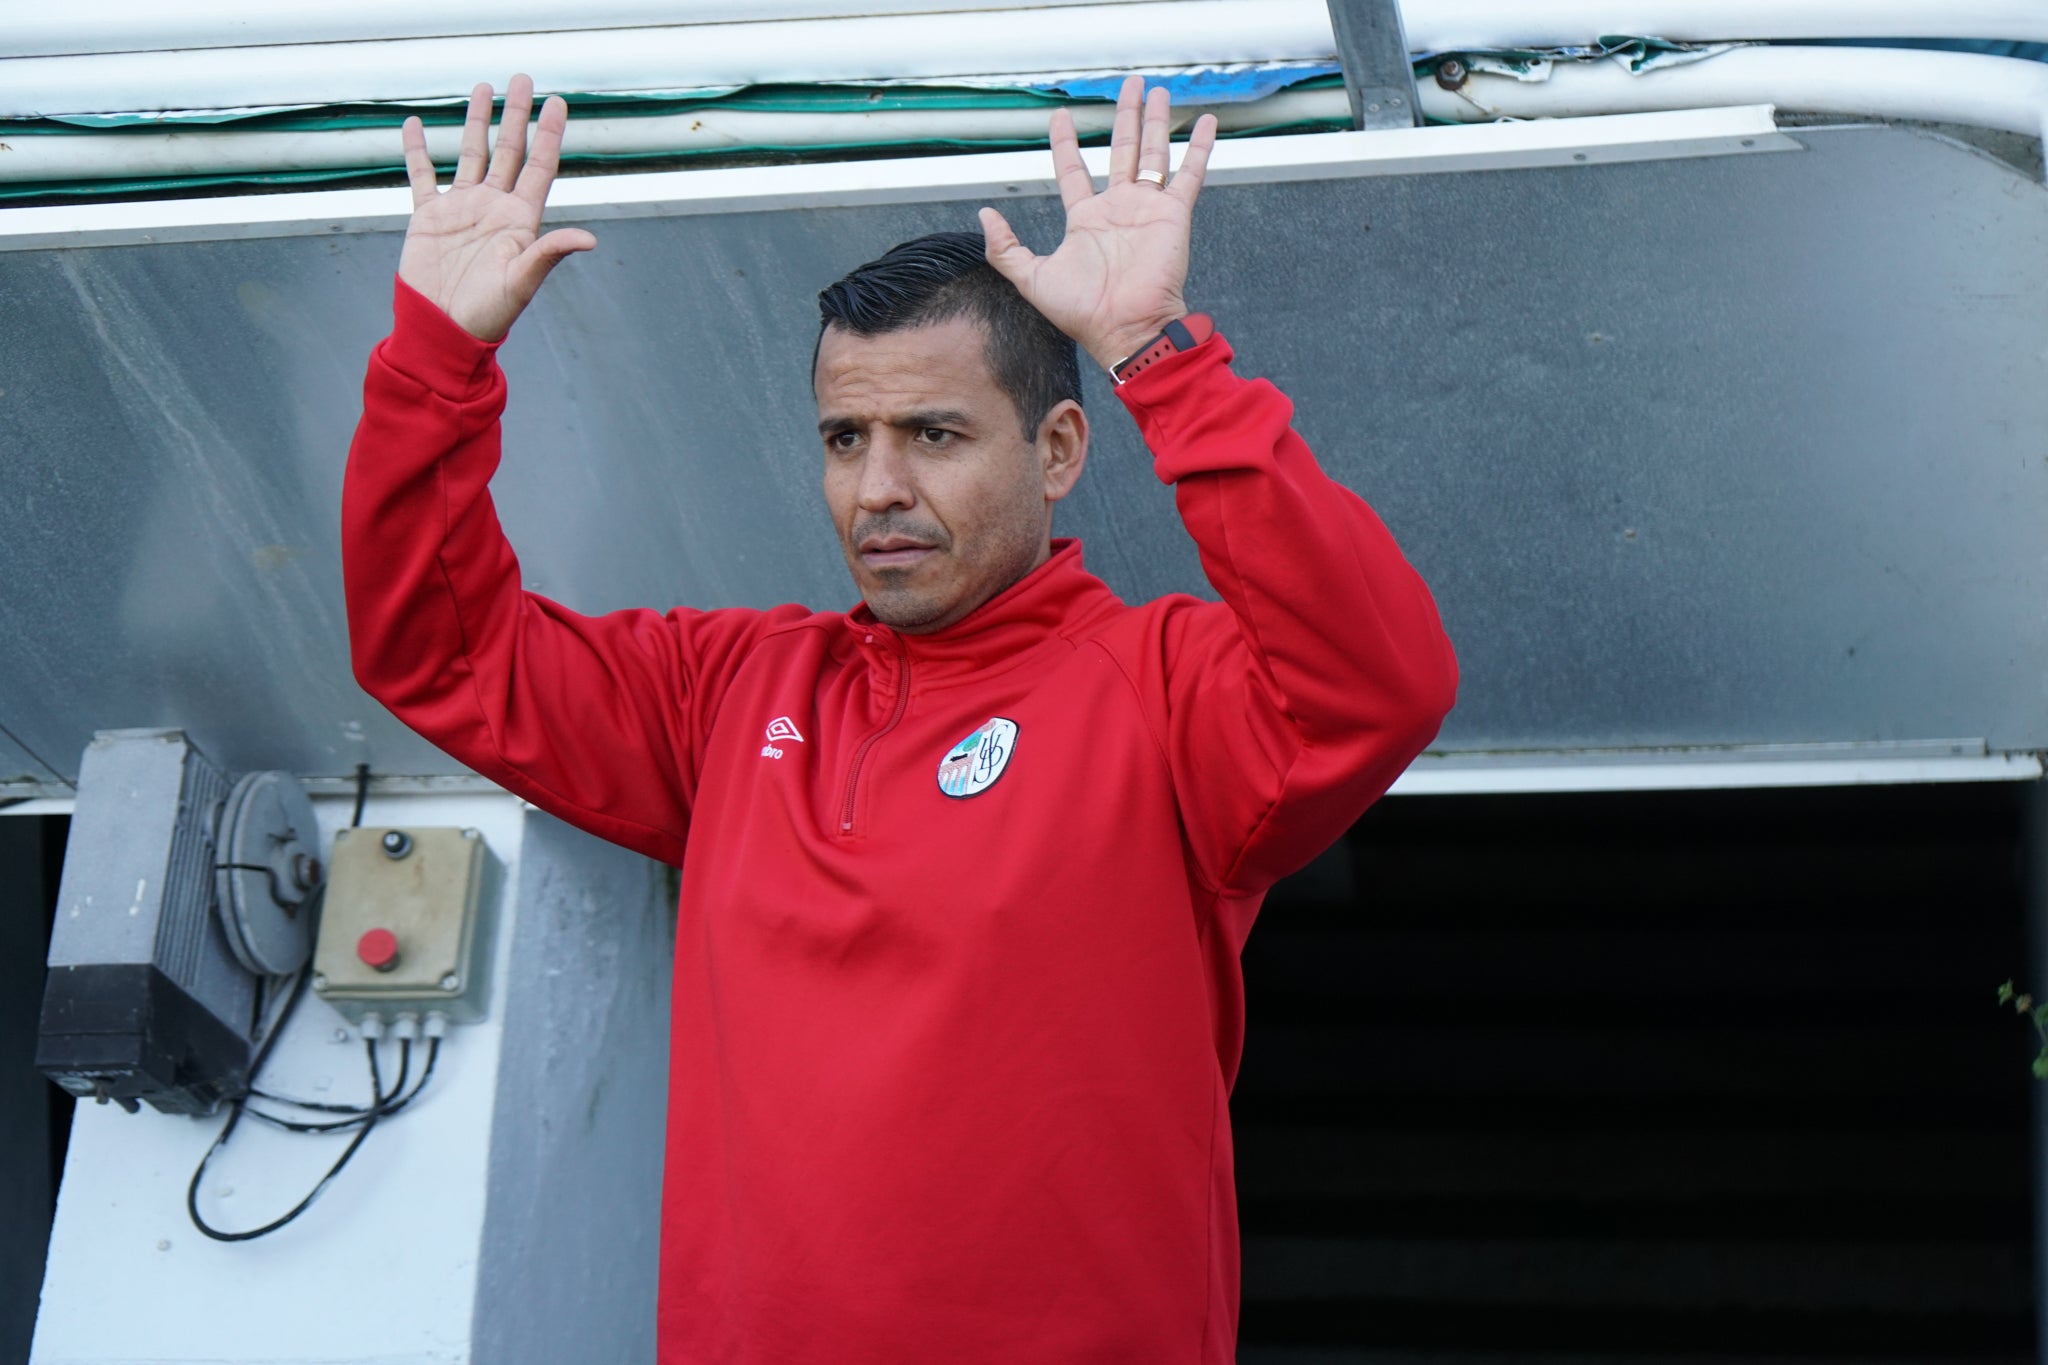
pixel 1182 334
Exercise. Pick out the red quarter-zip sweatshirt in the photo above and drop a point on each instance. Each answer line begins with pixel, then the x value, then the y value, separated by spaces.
pixel 957 996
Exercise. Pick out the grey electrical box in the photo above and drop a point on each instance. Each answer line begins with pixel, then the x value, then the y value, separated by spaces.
pixel 145 998
pixel 183 894
pixel 403 928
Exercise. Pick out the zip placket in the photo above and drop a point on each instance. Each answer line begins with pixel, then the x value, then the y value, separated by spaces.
pixel 860 755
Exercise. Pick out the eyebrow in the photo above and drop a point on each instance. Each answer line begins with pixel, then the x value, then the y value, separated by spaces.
pixel 910 421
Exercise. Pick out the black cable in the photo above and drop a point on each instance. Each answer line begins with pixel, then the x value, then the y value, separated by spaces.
pixel 366 1118
pixel 309 1125
pixel 235 1117
pixel 317 1106
pixel 192 1191
pixel 379 1103
pixel 376 1072
pixel 381 1106
pixel 426 1072
pixel 278 892
pixel 404 1074
pixel 284 1016
pixel 393 1104
pixel 314 903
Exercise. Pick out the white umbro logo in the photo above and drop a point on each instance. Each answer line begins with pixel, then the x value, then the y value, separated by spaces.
pixel 781 730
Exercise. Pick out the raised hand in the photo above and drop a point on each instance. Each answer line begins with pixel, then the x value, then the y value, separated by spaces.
pixel 1116 279
pixel 477 250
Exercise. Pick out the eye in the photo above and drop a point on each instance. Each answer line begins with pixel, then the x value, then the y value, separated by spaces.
pixel 841 441
pixel 935 436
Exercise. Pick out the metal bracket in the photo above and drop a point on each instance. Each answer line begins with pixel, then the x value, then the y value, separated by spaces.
pixel 1373 49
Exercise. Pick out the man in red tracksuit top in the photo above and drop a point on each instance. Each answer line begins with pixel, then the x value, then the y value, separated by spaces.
pixel 967 870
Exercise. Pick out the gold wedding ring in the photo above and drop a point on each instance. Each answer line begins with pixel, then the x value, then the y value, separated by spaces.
pixel 1152 177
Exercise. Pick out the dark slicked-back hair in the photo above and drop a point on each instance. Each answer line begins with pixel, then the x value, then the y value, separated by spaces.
pixel 946 275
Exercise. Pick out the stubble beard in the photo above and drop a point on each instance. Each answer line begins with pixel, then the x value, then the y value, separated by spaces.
pixel 899 604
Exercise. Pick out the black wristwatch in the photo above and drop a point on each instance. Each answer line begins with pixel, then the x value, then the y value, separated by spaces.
pixel 1182 334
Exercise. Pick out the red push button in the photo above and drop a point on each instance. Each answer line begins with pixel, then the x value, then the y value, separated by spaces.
pixel 378 949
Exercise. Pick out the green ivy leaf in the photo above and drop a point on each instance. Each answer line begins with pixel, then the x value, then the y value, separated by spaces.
pixel 2005 994
pixel 2041 1067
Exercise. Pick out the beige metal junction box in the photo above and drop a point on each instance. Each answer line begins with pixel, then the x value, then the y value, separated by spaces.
pixel 402 928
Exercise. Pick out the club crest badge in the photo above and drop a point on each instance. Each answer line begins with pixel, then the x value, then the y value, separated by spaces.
pixel 974 764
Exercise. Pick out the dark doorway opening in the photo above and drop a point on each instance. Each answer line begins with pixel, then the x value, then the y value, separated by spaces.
pixel 1694 1076
pixel 35 1116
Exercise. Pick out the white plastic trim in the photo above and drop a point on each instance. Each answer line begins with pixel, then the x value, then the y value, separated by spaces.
pixel 1589 773
pixel 202 74
pixel 1586 772
pixel 989 177
pixel 1162 33
pixel 103 26
pixel 108 26
pixel 1936 87
pixel 1446 25
pixel 192 150
pixel 1943 87
pixel 41 805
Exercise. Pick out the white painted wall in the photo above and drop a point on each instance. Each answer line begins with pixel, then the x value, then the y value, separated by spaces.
pixel 384 1269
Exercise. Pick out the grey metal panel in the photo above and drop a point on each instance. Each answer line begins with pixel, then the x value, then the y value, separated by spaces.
pixel 1733 450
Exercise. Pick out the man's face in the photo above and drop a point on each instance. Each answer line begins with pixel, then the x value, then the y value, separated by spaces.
pixel 939 499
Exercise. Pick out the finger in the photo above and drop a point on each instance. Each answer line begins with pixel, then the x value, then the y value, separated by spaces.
pixel 1194 163
pixel 1155 143
pixel 1011 258
pixel 544 158
pixel 1123 136
pixel 419 167
pixel 510 153
pixel 1076 185
pixel 476 136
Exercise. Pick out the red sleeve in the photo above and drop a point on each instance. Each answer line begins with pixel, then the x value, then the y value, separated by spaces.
pixel 599 720
pixel 1294 705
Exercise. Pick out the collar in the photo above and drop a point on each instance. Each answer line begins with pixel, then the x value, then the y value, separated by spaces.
pixel 1051 602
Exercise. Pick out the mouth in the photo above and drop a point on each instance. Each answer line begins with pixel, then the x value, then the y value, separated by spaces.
pixel 893 552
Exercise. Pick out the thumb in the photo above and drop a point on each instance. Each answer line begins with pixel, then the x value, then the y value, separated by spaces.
pixel 1011 258
pixel 544 255
pixel 562 242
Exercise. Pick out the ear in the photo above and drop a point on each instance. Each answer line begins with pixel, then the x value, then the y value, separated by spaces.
pixel 1062 448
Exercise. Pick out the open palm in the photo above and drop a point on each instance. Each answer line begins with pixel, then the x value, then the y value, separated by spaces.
pixel 476 250
pixel 1116 278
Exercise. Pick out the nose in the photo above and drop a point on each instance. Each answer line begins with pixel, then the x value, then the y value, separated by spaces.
pixel 885 478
